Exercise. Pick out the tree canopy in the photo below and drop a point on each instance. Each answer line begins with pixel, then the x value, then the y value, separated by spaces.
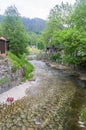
pixel 66 29
pixel 14 31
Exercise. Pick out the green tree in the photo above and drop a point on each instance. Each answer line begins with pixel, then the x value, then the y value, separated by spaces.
pixel 78 17
pixel 14 31
pixel 36 40
pixel 56 22
pixel 40 43
pixel 66 29
pixel 33 37
pixel 74 38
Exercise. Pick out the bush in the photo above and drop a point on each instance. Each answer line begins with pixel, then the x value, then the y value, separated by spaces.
pixel 40 45
pixel 55 57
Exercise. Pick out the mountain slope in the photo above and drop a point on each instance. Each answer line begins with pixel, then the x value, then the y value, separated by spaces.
pixel 33 25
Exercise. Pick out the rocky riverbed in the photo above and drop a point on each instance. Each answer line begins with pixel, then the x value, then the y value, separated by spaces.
pixel 51 103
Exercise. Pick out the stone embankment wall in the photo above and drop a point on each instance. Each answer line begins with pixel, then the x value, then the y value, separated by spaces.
pixel 8 77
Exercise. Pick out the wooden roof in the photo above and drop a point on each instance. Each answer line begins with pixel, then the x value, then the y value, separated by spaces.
pixel 2 38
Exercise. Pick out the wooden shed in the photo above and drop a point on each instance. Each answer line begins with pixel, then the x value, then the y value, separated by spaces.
pixel 3 45
pixel 51 49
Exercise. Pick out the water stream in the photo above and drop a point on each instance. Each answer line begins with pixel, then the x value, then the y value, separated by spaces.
pixel 52 98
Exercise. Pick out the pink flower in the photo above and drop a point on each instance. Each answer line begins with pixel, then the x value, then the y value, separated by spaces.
pixel 10 99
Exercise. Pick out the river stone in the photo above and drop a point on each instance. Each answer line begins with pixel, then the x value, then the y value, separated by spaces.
pixel 81 123
pixel 9 125
pixel 83 126
pixel 30 128
pixel 14 128
pixel 19 124
pixel 23 128
pixel 23 116
pixel 0 128
pixel 26 124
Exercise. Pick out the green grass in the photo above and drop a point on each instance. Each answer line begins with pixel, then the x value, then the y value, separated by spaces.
pixel 83 115
pixel 21 62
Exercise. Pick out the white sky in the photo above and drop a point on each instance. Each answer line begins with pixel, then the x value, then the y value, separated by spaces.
pixel 32 8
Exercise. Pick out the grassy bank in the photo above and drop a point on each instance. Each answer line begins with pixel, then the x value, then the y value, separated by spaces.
pixel 21 62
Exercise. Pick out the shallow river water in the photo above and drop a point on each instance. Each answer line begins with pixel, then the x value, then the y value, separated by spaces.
pixel 51 101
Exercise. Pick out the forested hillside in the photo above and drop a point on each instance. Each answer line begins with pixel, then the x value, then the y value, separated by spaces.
pixel 32 25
